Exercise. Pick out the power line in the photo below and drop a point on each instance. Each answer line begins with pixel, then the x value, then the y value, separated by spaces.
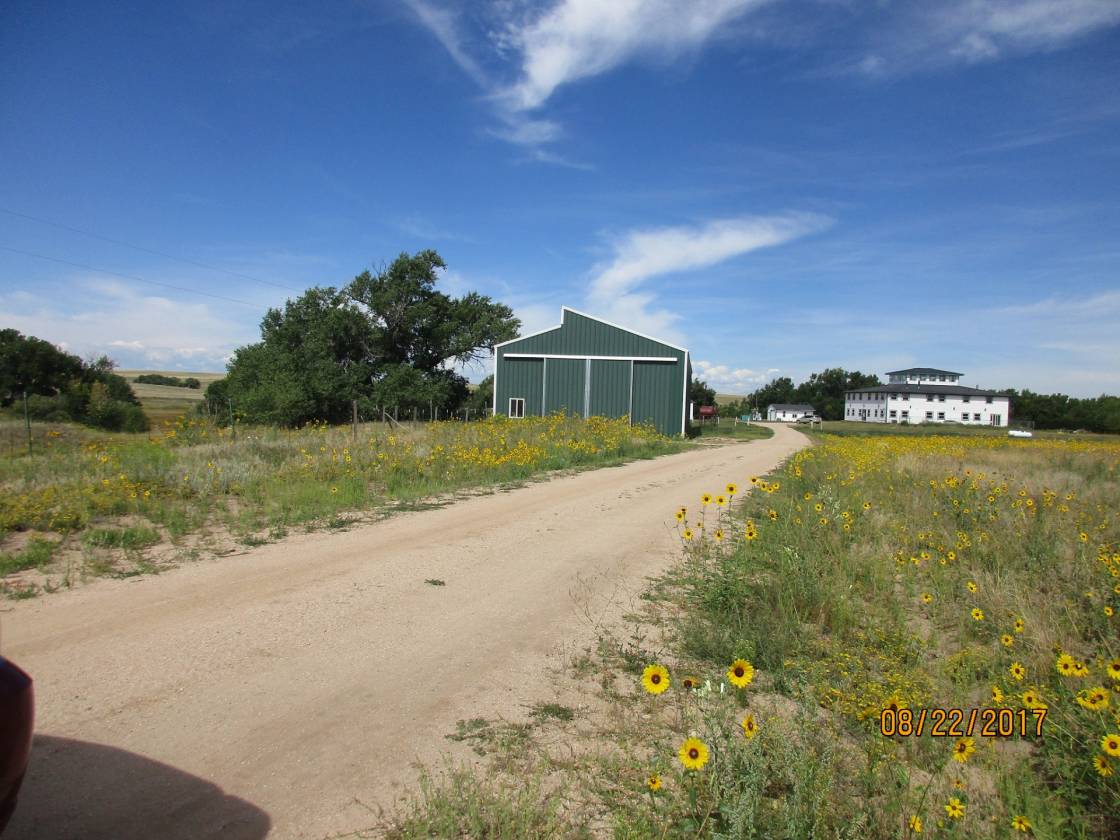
pixel 195 263
pixel 128 276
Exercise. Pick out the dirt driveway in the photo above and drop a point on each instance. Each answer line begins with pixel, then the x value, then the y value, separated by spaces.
pixel 287 691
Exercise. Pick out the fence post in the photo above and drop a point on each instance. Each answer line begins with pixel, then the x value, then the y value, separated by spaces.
pixel 27 420
pixel 354 410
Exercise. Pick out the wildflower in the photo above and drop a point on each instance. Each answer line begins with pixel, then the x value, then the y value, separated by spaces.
pixel 1019 625
pixel 958 784
pixel 1102 765
pixel 1032 700
pixel 718 535
pixel 1007 640
pixel 823 521
pixel 955 808
pixel 732 489
pixel 1017 671
pixel 971 586
pixel 1108 612
pixel 751 533
pixel 807 495
pixel 916 824
pixel 773 514
pixel 721 500
pixel 750 727
pixel 1110 743
pixel 1021 824
pixel 1065 665
pixel 1113 669
pixel 680 516
pixel 1093 698
pixel 1083 537
pixel 690 683
pixel 963 749
pixel 997 695
pixel 687 533
pixel 977 614
pixel 867 505
pixel 741 673
pixel 818 507
pixel 693 754
pixel 334 490
pixel 927 598
pixel 706 499
pixel 654 783
pixel 655 678
pixel 952 555
pixel 1080 669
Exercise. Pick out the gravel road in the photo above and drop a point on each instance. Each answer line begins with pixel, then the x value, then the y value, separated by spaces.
pixel 288 691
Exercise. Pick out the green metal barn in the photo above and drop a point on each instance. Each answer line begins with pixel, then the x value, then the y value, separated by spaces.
pixel 589 367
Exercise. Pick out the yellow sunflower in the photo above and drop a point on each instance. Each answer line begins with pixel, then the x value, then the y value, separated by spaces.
pixel 997 695
pixel 916 824
pixel 750 727
pixel 693 754
pixel 1007 640
pixel 927 598
pixel 1103 766
pixel 1113 669
pixel 1021 824
pixel 732 489
pixel 963 749
pixel 654 782
pixel 971 586
pixel 1110 743
pixel 680 516
pixel 740 673
pixel 1065 665
pixel 977 614
pixel 690 683
pixel 721 500
pixel 706 498
pixel 1093 698
pixel 1017 671
pixel 655 678
pixel 1019 625
pixel 955 808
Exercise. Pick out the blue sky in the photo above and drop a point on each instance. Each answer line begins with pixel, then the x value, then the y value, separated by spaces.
pixel 779 185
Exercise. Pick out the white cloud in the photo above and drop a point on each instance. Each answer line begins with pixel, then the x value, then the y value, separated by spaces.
pixel 105 315
pixel 443 23
pixel 727 380
pixel 576 39
pixel 930 35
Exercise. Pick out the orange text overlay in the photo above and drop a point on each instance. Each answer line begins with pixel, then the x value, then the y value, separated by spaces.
pixel 961 723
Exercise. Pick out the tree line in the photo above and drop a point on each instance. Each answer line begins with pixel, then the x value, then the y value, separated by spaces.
pixel 60 386
pixel 173 381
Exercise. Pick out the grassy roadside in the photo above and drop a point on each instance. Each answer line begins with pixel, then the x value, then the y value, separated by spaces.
pixel 896 572
pixel 728 430
pixel 88 503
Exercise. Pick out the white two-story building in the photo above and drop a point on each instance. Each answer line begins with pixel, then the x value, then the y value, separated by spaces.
pixel 926 395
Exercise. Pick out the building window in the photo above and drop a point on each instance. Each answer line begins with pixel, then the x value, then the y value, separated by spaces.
pixel 894 413
pixel 906 415
pixel 941 398
pixel 516 406
pixel 941 415
pixel 966 399
pixel 988 400
pixel 894 396
pixel 976 416
pixel 929 415
pixel 929 397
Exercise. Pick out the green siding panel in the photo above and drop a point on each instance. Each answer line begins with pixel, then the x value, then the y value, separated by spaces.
pixel 564 386
pixel 610 388
pixel 657 395
pixel 520 378
pixel 581 336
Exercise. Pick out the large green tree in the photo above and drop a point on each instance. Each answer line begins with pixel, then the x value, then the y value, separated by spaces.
pixel 388 338
pixel 33 365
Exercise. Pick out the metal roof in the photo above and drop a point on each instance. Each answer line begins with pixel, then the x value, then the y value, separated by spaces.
pixel 924 372
pixel 914 388
pixel 791 407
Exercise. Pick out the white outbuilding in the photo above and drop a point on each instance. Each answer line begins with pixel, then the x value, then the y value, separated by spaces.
pixel 788 412
pixel 926 395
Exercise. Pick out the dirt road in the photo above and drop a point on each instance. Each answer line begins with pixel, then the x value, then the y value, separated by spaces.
pixel 287 691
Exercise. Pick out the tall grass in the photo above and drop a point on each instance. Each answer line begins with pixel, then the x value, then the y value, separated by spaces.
pixel 193 475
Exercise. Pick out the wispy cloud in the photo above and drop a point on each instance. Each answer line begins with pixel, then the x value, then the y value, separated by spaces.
pixel 577 39
pixel 640 255
pixel 920 35
pixel 444 25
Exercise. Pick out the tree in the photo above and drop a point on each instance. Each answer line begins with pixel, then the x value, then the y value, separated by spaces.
pixel 33 365
pixel 481 399
pixel 700 393
pixel 386 339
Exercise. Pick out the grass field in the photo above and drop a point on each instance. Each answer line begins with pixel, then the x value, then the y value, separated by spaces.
pixel 165 402
pixel 728 429
pixel 90 503
pixel 873 575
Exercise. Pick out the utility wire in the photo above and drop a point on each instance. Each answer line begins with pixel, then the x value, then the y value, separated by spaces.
pixel 195 263
pixel 128 276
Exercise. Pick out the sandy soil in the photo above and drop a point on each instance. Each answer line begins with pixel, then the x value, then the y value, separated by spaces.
pixel 289 691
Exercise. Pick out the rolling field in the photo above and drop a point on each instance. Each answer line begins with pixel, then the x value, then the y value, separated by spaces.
pixel 165 402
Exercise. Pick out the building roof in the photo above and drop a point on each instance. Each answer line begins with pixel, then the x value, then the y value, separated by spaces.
pixel 791 407
pixel 913 388
pixel 924 372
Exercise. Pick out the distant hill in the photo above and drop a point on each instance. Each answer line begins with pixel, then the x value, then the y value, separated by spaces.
pixel 723 399
pixel 166 402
